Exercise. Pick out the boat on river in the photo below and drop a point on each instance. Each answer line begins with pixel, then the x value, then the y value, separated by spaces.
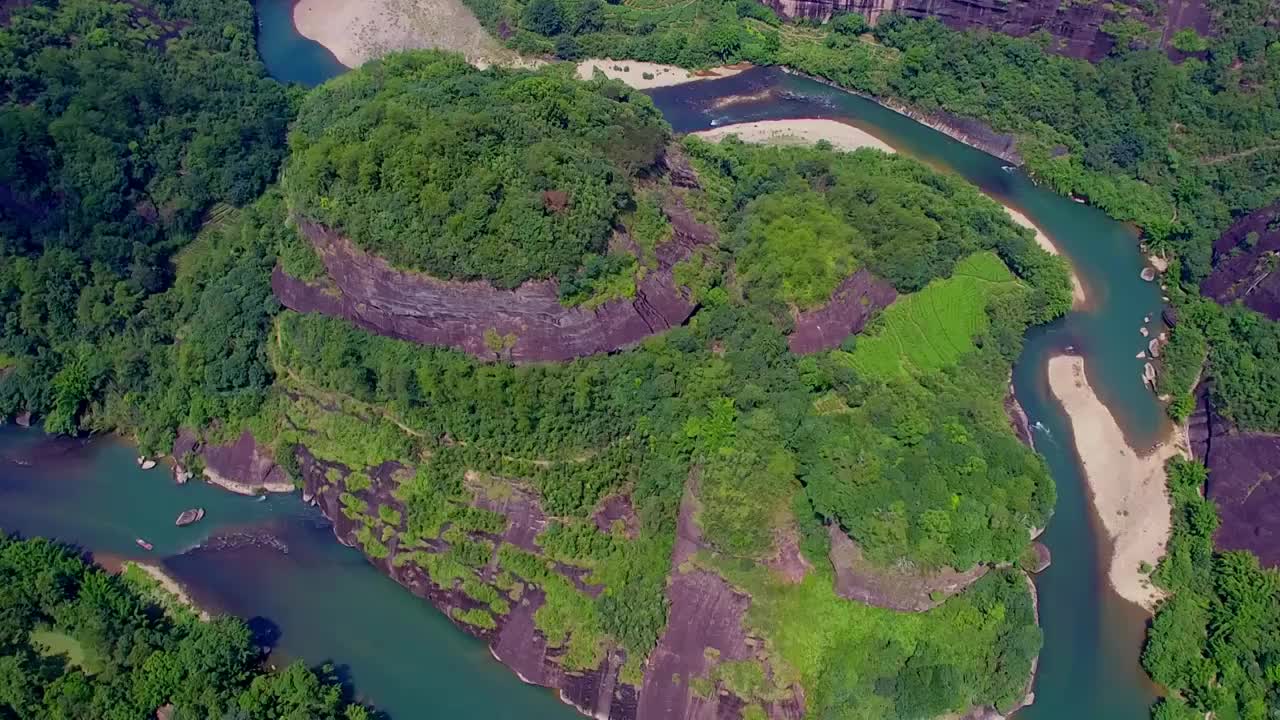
pixel 144 544
pixel 187 517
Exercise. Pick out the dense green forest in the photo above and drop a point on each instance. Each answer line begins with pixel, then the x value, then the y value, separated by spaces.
pixel 1180 149
pixel 512 175
pixel 125 128
pixel 138 229
pixel 1215 641
pixel 76 642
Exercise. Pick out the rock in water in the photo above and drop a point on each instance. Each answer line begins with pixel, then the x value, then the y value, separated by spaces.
pixel 1149 374
pixel 1043 557
pixel 188 517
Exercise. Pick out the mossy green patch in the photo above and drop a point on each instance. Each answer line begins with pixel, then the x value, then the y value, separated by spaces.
pixel 933 328
pixel 53 643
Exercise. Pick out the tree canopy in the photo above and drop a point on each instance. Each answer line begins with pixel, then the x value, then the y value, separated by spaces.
pixel 76 642
pixel 467 174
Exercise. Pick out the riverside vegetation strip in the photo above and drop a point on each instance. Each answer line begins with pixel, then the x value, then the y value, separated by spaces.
pixel 76 642
pixel 704 401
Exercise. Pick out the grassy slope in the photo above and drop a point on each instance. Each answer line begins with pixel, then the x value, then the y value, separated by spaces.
pixel 933 328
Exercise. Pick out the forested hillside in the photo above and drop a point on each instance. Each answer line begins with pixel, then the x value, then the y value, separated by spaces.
pixel 76 642
pixel 1181 150
pixel 1214 642
pixel 587 509
pixel 125 127
pixel 443 467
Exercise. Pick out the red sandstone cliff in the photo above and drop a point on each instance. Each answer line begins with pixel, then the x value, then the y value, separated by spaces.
pixel 367 291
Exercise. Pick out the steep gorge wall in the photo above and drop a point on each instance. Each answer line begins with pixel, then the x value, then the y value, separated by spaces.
pixel 705 610
pixel 1076 25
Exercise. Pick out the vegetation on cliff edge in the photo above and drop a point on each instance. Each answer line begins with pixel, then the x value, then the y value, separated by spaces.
pixel 468 174
pixel 1215 641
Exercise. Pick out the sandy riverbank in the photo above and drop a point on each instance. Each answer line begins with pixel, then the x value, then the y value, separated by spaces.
pixel 169 585
pixel 1078 294
pixel 842 136
pixel 1128 488
pixel 359 30
pixel 645 75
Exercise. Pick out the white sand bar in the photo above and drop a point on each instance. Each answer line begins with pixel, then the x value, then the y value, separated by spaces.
pixel 842 136
pixel 1128 489
pixel 359 30
pixel 644 75
pixel 171 586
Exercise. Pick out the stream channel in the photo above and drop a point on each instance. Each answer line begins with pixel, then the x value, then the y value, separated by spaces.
pixel 276 563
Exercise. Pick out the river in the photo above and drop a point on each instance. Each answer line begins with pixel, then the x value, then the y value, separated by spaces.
pixel 319 601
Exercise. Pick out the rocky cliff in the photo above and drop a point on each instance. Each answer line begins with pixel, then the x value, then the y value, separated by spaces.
pixel 1075 26
pixel 705 611
pixel 847 312
pixel 241 466
pixel 529 323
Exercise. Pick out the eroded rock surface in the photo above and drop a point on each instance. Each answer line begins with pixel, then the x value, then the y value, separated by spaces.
pixel 706 612
pixel 515 640
pixel 846 313
pixel 1018 419
pixel 241 467
pixel 907 590
pixel 1243 470
pixel 1245 263
pixel 1075 26
pixel 367 291
pixel 617 508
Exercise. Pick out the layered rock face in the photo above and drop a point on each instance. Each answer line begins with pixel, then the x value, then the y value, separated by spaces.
pixel 527 324
pixel 1075 26
pixel 706 612
pixel 241 466
pixel 1241 464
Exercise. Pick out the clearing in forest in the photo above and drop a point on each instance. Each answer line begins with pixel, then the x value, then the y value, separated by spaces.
pixel 52 643
pixel 931 329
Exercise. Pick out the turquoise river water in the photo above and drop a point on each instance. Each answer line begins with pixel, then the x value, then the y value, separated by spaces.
pixel 275 562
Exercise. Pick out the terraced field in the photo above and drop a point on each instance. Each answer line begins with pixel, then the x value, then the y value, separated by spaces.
pixel 931 329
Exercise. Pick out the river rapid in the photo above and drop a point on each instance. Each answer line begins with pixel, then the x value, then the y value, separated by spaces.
pixel 275 562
